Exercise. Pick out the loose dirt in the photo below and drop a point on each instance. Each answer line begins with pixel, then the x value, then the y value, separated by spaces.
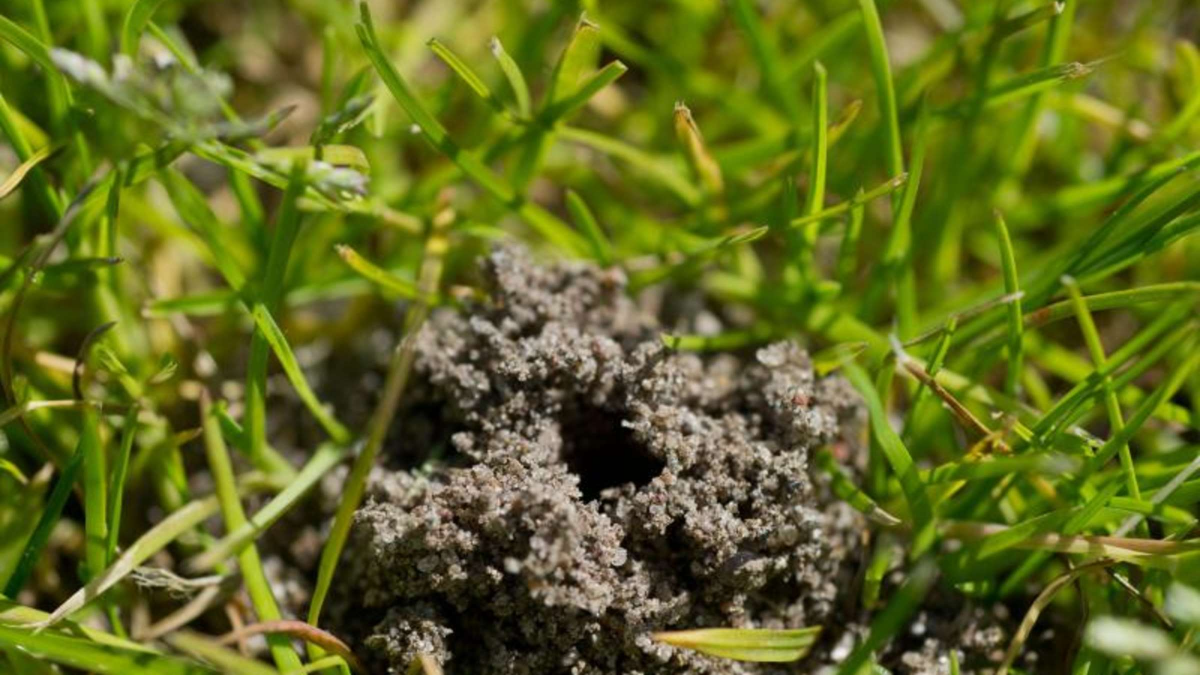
pixel 599 487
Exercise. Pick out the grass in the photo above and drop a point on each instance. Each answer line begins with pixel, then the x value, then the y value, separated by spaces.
pixel 983 215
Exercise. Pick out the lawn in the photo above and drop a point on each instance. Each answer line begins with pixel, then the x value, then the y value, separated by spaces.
pixel 723 336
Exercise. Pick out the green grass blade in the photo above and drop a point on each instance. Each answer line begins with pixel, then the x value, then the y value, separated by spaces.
pixel 46 522
pixel 648 165
pixel 1091 338
pixel 769 60
pixel 1112 300
pixel 136 18
pixel 891 620
pixel 848 492
pixel 848 252
pixel 897 254
pixel 898 456
pixel 882 70
pixel 14 179
pixel 154 540
pixel 1162 393
pixel 584 93
pixel 13 614
pixel 93 657
pixel 468 76
pixel 268 295
pixel 746 644
pixel 1016 324
pixel 1187 54
pixel 1021 86
pixel 547 224
pixel 728 340
pixel 602 250
pixel 1054 51
pixel 399 369
pixel 1042 463
pixel 227 660
pixel 95 492
pixel 26 42
pixel 512 73
pixel 886 188
pixel 819 156
pixel 377 275
pixel 576 59
pixel 326 456
pixel 257 585
pixel 50 201
pixel 116 492
pixel 274 338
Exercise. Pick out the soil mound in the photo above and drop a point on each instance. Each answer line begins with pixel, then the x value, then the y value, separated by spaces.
pixel 603 487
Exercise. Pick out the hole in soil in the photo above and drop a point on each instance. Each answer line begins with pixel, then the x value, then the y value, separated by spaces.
pixel 604 454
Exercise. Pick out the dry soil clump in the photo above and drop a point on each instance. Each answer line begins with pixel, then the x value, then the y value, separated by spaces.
pixel 600 487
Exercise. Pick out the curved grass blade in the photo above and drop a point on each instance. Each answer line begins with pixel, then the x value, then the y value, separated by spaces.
pixel 819 155
pixel 291 367
pixel 18 615
pixel 46 522
pixel 467 75
pixel 885 188
pixel 607 75
pixel 651 166
pixel 602 248
pixel 399 368
pixel 512 73
pixel 546 223
pixel 770 62
pixel 882 70
pixel 746 644
pixel 377 275
pixel 848 492
pixel 154 540
pixel 1040 603
pixel 891 620
pixel 227 660
pixel 14 179
pixel 258 587
pixel 26 42
pixel 323 460
pixel 701 161
pixel 1091 338
pixel 901 461
pixel 1012 379
pixel 136 18
pixel 94 657
pixel 327 641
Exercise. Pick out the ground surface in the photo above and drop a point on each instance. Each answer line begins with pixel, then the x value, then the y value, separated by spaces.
pixel 504 335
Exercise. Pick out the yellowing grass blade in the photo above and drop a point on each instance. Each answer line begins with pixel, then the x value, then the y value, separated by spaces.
pixel 746 644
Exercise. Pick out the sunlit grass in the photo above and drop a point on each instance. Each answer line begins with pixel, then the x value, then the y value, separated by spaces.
pixel 982 215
